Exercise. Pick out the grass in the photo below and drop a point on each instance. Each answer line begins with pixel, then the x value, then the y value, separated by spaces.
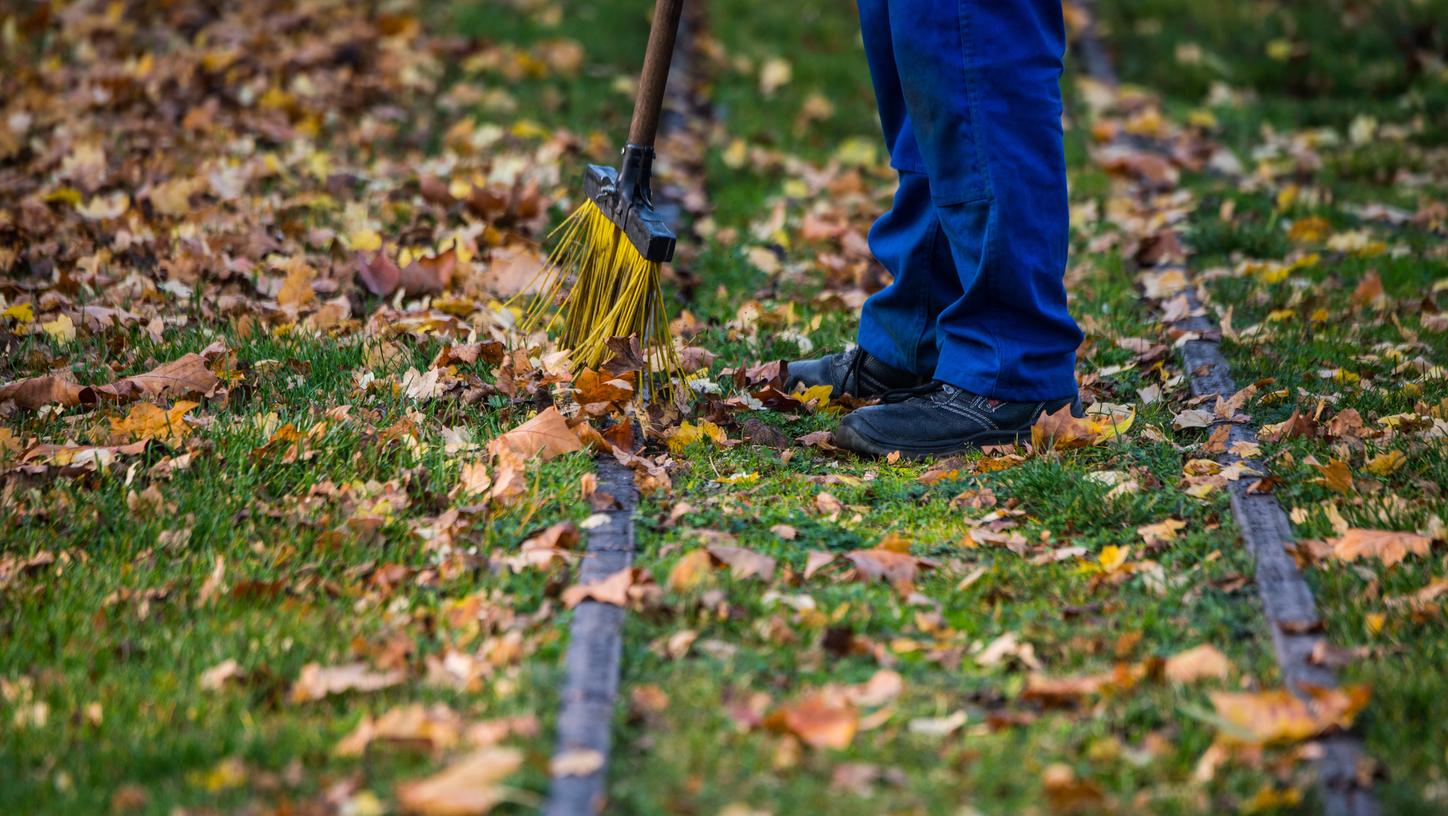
pixel 100 658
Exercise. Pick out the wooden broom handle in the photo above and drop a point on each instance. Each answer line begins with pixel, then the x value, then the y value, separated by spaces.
pixel 650 100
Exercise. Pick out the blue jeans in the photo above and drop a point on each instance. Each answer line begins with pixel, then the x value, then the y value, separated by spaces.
pixel 970 99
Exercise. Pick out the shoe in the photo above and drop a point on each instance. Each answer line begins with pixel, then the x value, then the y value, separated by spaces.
pixel 939 420
pixel 854 372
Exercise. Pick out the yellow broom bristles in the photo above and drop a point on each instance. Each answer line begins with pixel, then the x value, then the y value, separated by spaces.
pixel 608 290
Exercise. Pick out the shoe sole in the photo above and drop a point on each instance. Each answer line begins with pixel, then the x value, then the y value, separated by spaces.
pixel 852 440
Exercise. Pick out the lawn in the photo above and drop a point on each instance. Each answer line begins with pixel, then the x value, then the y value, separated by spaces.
pixel 317 568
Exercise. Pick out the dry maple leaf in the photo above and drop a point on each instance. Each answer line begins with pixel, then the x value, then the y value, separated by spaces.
pixel 465 788
pixel 147 421
pixel 744 563
pixel 618 589
pixel 821 719
pixel 1062 431
pixel 1196 663
pixel 434 727
pixel 1387 546
pixel 317 682
pixel 1060 691
pixel 546 435
pixel 1278 716
pixel 36 392
pixel 690 570
pixel 186 376
pixel 894 567
pixel 576 762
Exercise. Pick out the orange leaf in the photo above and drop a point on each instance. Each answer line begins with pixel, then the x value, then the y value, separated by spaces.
pixel 1196 663
pixel 465 788
pixel 546 435
pixel 822 719
pixel 1278 716
pixel 1387 546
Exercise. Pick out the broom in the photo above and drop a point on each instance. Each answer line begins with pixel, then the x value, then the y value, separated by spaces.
pixel 601 280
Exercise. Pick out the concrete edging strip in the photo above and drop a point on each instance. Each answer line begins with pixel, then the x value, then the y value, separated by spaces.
pixel 595 652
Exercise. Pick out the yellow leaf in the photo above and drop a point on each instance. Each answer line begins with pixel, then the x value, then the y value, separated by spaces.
pixel 1386 463
pixel 817 396
pixel 365 240
pixel 61 329
pixel 688 433
pixel 775 74
pixel 149 421
pixel 296 288
pixel 1113 558
pixel 740 478
pixel 1277 716
pixel 21 313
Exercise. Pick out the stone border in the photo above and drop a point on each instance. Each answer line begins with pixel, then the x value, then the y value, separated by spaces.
pixel 594 659
pixel 1287 600
pixel 595 652
pixel 1344 777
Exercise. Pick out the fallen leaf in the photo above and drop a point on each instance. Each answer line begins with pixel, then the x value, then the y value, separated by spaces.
pixel 465 788
pixel 575 762
pixel 546 435
pixel 317 682
pixel 1387 546
pixel 744 563
pixel 1278 716
pixel 1198 662
pixel 148 421
pixel 821 719
pixel 896 568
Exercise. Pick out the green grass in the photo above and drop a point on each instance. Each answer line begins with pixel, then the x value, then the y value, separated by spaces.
pixel 116 669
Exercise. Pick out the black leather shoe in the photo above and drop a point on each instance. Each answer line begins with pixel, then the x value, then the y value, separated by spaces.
pixel 940 421
pixel 852 372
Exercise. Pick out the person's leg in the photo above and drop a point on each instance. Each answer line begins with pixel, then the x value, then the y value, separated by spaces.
pixel 980 80
pixel 898 323
pixel 897 346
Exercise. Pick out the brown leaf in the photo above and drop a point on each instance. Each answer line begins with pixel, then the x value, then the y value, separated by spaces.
pixel 1336 476
pixel 546 435
pixel 511 269
pixel 317 682
pixel 428 275
pixel 1062 431
pixel 817 560
pixel 36 392
pixel 822 719
pixel 1387 546
pixel 592 387
pixel 379 274
pixel 186 376
pixel 1196 663
pixel 435 728
pixel 744 563
pixel 465 788
pixel 690 570
pixel 618 589
pixel 895 567
pixel 1277 716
